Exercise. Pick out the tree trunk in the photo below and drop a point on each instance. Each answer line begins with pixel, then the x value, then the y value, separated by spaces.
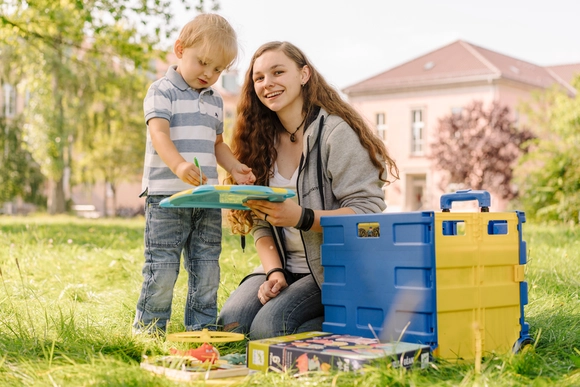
pixel 114 204
pixel 56 200
pixel 56 197
pixel 105 210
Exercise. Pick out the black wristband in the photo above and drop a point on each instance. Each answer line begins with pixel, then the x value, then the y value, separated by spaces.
pixel 306 220
pixel 274 270
pixel 301 220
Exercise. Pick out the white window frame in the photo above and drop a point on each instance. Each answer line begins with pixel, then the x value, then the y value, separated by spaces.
pixel 457 110
pixel 9 100
pixel 381 125
pixel 417 131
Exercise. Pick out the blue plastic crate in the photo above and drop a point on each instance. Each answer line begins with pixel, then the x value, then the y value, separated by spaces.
pixel 451 280
pixel 379 276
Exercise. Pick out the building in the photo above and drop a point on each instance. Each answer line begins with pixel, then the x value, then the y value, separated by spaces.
pixel 405 102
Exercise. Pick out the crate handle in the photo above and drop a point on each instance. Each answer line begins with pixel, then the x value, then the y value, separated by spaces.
pixel 483 198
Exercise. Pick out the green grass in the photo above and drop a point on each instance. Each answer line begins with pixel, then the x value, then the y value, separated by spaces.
pixel 68 289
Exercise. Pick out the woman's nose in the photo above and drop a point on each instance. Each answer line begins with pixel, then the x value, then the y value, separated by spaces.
pixel 267 81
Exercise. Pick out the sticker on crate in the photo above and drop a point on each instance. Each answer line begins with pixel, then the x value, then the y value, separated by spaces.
pixel 320 351
pixel 369 230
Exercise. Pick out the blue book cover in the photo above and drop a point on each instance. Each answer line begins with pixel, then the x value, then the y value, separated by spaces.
pixel 225 196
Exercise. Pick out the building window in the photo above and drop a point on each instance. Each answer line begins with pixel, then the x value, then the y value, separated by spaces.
pixel 381 121
pixel 417 131
pixel 27 99
pixel 230 82
pixel 9 100
pixel 416 189
pixel 456 111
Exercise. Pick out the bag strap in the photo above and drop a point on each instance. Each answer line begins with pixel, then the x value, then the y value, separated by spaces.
pixel 319 162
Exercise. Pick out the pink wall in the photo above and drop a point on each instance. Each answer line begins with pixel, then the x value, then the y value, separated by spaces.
pixel 416 172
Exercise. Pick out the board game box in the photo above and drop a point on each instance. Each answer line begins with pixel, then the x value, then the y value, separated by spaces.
pixel 322 351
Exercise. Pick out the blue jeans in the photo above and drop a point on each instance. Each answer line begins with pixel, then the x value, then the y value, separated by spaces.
pixel 197 232
pixel 298 308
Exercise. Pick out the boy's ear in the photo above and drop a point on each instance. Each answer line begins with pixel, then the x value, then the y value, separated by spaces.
pixel 178 49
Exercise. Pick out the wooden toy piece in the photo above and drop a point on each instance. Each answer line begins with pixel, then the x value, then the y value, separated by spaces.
pixel 205 336
pixel 205 353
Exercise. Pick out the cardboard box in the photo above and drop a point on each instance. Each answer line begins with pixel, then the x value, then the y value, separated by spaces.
pixel 322 351
pixel 258 351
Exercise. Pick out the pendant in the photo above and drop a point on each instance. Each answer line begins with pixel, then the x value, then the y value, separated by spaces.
pixel 292 138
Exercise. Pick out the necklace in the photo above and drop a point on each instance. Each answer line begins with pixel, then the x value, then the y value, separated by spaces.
pixel 292 135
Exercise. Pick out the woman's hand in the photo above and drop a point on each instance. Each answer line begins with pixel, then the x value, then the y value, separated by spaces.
pixel 283 214
pixel 243 174
pixel 272 287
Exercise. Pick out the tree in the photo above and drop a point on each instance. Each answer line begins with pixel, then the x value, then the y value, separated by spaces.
pixel 549 175
pixel 200 7
pixel 478 148
pixel 112 144
pixel 62 47
pixel 19 176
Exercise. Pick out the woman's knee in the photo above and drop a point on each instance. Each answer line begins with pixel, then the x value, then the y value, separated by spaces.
pixel 266 325
pixel 241 307
pixel 231 319
pixel 314 324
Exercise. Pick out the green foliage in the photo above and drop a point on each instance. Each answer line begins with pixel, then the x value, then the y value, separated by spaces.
pixel 215 6
pixel 19 176
pixel 69 288
pixel 78 61
pixel 549 175
pixel 111 141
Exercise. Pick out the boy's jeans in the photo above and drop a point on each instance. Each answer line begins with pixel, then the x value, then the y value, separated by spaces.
pixel 169 231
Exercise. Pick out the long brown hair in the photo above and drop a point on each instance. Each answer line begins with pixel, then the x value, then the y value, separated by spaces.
pixel 254 138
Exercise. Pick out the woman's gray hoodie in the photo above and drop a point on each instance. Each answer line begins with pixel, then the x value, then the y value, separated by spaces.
pixel 349 179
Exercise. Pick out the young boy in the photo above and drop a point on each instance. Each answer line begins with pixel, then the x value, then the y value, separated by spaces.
pixel 184 117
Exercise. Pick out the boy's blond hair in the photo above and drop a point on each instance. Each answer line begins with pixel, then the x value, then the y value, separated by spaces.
pixel 210 32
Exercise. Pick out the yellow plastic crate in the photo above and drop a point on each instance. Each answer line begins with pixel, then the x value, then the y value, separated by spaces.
pixel 480 288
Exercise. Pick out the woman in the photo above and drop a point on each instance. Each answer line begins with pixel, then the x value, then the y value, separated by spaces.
pixel 295 131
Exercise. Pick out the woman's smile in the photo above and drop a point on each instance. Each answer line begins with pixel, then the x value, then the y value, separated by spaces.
pixel 274 94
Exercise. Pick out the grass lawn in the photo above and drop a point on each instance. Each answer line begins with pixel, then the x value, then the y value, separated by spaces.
pixel 68 289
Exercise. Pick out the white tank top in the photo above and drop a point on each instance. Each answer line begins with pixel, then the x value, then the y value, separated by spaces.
pixel 295 256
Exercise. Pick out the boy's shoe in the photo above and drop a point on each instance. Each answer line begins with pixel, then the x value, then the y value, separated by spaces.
pixel 149 332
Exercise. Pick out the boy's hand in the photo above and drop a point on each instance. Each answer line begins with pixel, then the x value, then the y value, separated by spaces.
pixel 189 173
pixel 243 174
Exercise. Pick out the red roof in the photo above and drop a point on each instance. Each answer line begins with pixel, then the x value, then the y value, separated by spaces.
pixel 565 73
pixel 460 62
